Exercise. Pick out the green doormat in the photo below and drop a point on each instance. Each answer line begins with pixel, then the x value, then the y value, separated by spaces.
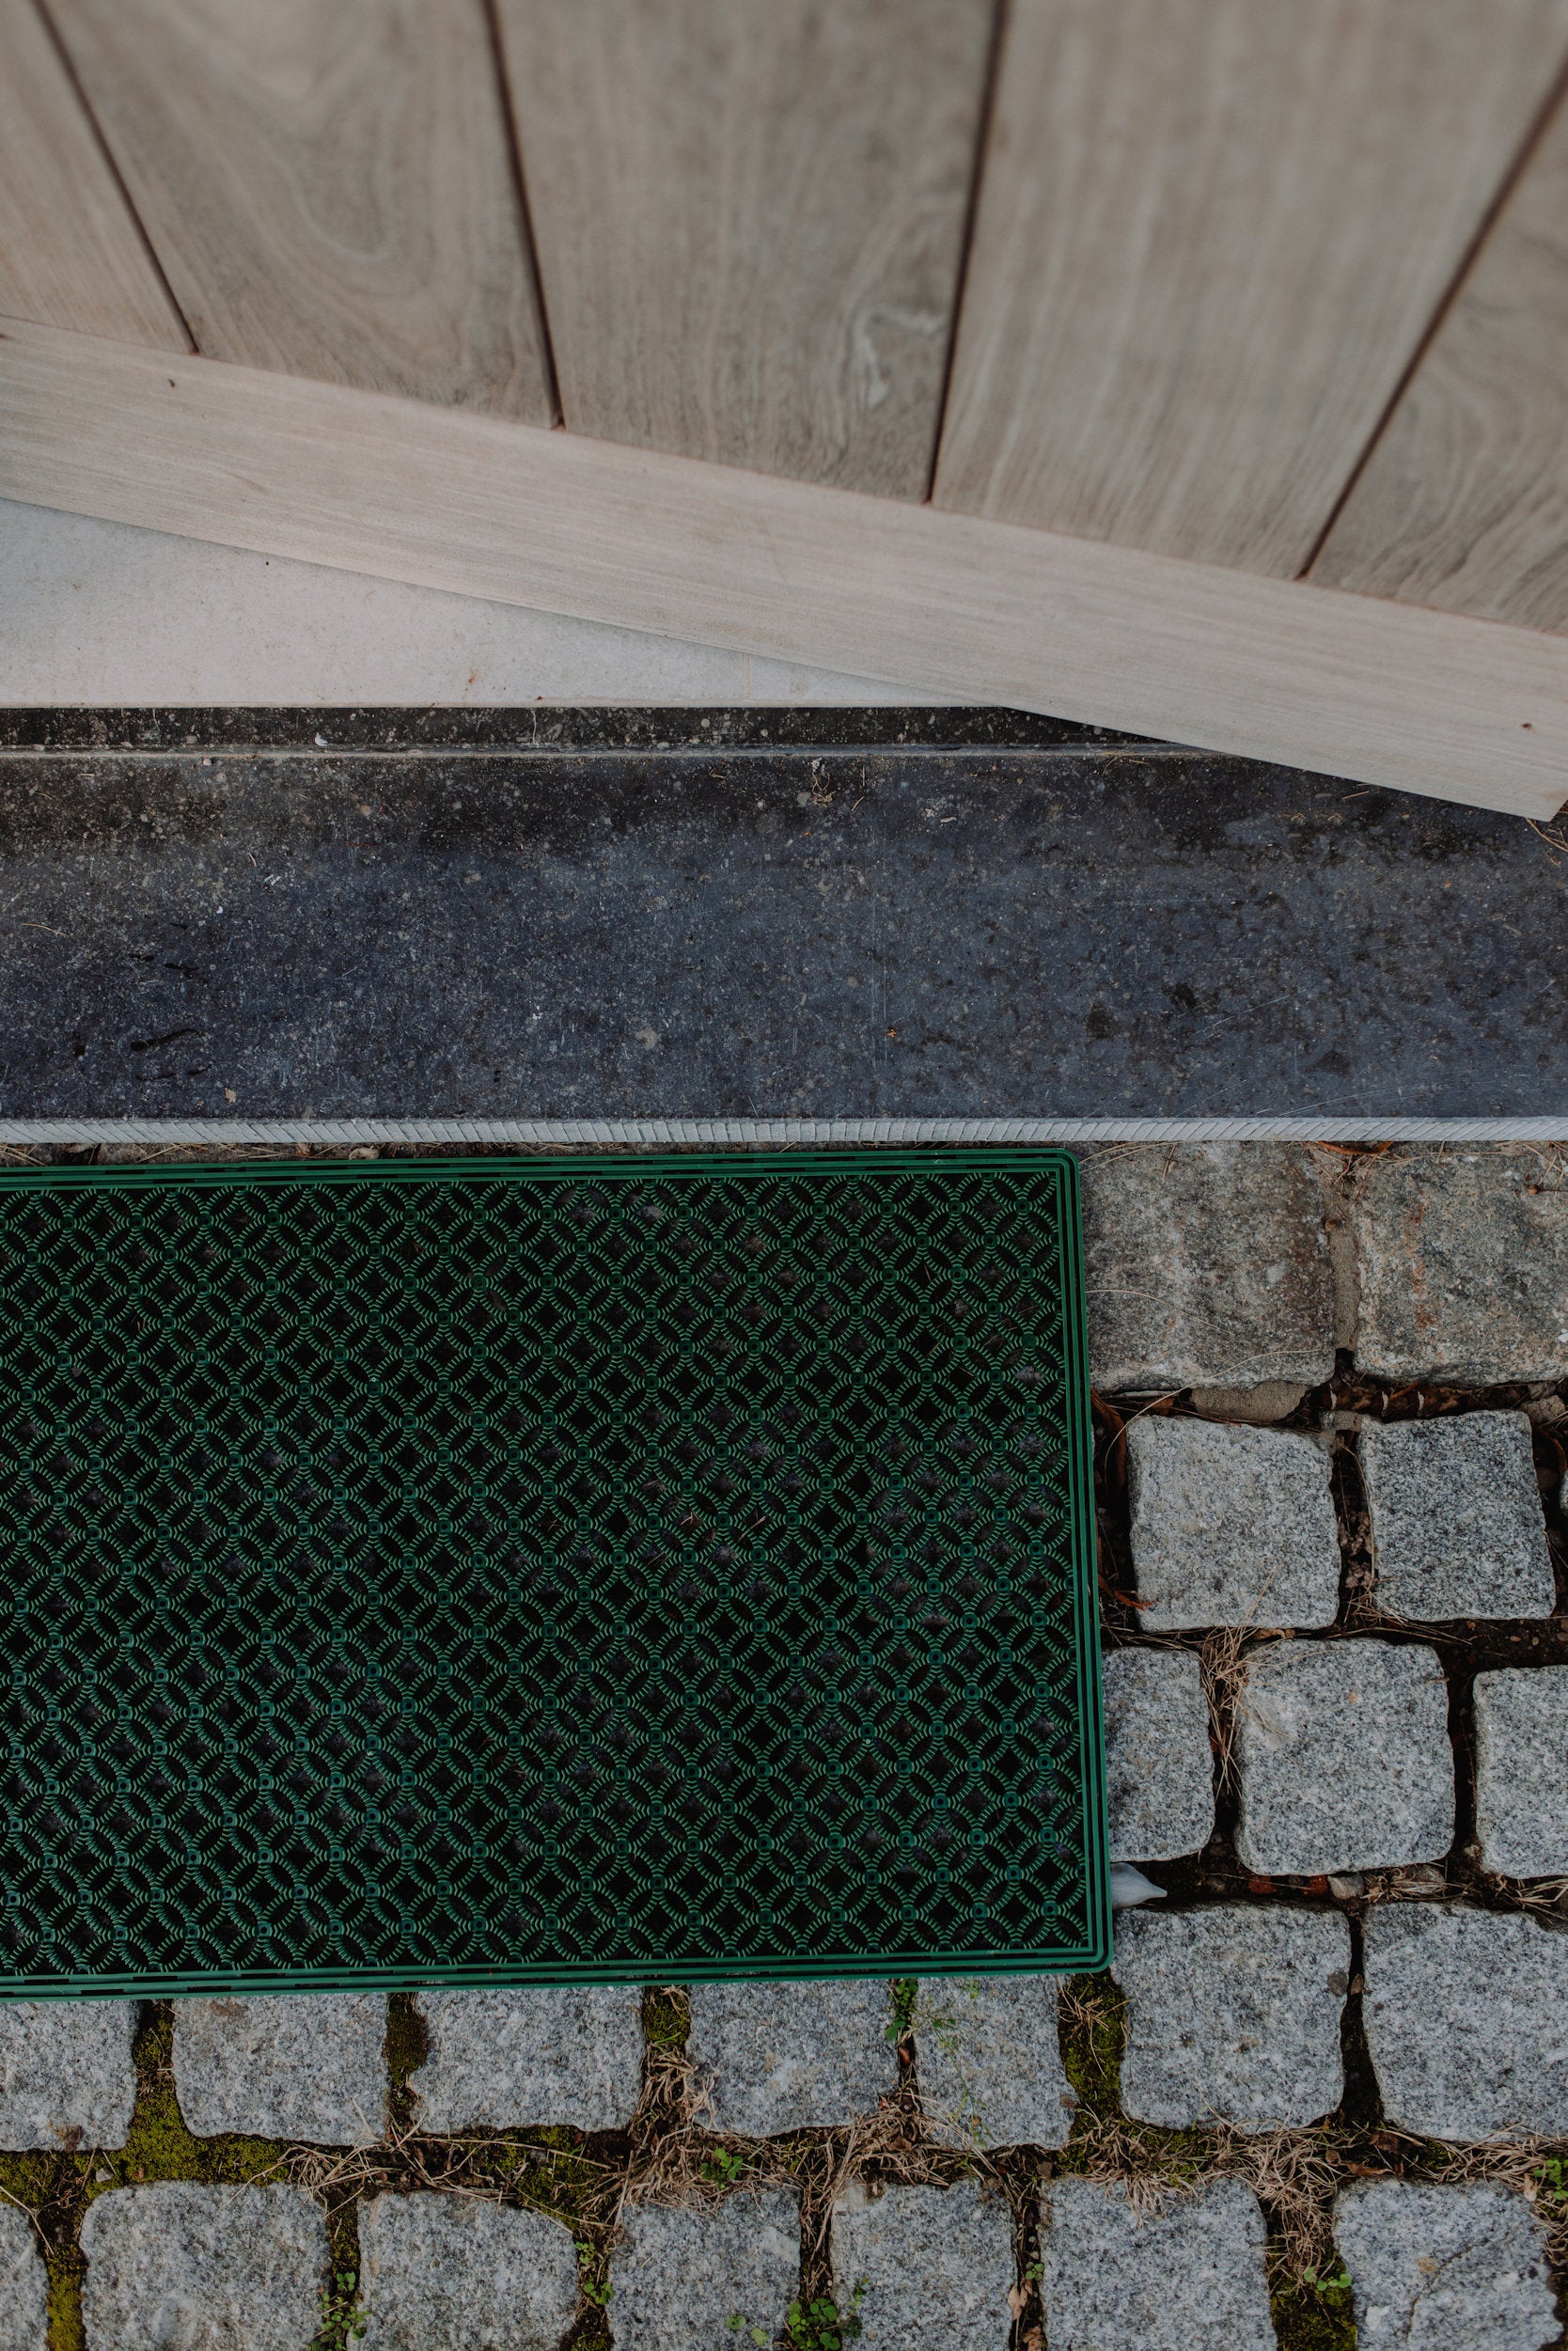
pixel 555 1570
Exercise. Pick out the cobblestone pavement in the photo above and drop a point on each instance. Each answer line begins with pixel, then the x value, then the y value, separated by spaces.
pixel 1320 2098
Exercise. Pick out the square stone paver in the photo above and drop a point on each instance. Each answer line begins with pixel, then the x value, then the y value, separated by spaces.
pixel 1522 1771
pixel 989 2061
pixel 679 2278
pixel 203 2268
pixel 1233 2012
pixel 1464 2013
pixel 784 2056
pixel 450 2273
pixel 1206 1266
pixel 1159 1765
pixel 931 2266
pixel 1462 1258
pixel 1344 1760
pixel 1189 2277
pixel 1231 1526
pixel 1445 2268
pixel 530 2055
pixel 1456 1519
pixel 67 2078
pixel 24 2285
pixel 289 2065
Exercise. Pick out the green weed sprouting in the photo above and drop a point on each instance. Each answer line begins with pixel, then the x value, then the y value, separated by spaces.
pixel 723 2167
pixel 599 2295
pixel 1325 2280
pixel 343 2315
pixel 904 1991
pixel 817 2326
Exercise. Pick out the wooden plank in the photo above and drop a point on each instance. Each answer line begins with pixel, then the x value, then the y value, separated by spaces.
pixel 1464 503
pixel 71 252
pixel 329 188
pixel 749 219
pixel 1385 693
pixel 1210 238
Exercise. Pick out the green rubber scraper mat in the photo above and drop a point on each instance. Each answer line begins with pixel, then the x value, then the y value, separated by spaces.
pixel 554 1570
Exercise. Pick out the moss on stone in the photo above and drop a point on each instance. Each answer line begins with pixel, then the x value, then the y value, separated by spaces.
pixel 1314 2314
pixel 406 2047
pixel 666 2016
pixel 67 2328
pixel 1094 2036
pixel 32 2178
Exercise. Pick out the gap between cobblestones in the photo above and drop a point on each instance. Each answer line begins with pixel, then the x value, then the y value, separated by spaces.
pixel 666 2154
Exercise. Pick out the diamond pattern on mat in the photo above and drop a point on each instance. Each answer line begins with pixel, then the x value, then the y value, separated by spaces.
pixel 559 1568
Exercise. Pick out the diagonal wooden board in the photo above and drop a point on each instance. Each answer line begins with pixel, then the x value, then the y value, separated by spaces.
pixel 1386 694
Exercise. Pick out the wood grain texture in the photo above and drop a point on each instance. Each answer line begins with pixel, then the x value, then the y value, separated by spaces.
pixel 749 218
pixel 1464 503
pixel 1211 235
pixel 71 253
pixel 1385 693
pixel 328 186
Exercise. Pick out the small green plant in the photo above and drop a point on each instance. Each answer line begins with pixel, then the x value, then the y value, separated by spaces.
pixel 601 2296
pixel 1553 2177
pixel 1313 2310
pixel 343 2316
pixel 905 1991
pixel 1325 2280
pixel 740 2324
pixel 817 2326
pixel 723 2168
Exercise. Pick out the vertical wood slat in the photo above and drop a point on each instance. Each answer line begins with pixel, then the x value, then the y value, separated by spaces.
pixel 1464 503
pixel 328 186
pixel 71 253
pixel 1211 235
pixel 749 217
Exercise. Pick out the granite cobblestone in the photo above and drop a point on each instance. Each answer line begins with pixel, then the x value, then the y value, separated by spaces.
pixel 451 2273
pixel 990 2062
pixel 1229 1526
pixel 1438 2268
pixel 1456 1520
pixel 1462 1266
pixel 176 2266
pixel 679 2278
pixel 1521 1719
pixel 286 2065
pixel 24 2285
pixel 1232 2013
pixel 67 2078
pixel 1159 1764
pixel 783 2057
pixel 1463 2021
pixel 1343 1761
pixel 1188 2275
pixel 921 2266
pixel 530 2055
pixel 1206 1267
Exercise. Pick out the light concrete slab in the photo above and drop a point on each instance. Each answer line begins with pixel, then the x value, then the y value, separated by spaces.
pixel 106 613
